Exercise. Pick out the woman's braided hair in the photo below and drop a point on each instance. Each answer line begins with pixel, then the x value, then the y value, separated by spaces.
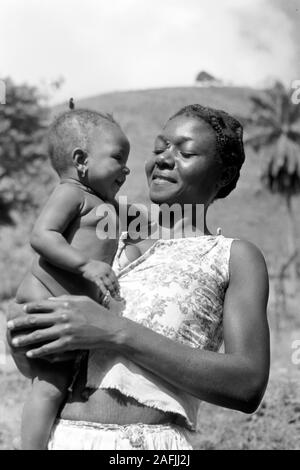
pixel 229 139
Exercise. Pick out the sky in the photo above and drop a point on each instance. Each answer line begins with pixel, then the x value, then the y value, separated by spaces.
pixel 99 46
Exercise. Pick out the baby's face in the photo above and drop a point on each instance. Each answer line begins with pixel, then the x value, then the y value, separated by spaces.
pixel 107 161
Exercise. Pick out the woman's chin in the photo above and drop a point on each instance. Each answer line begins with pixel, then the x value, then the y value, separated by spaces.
pixel 158 197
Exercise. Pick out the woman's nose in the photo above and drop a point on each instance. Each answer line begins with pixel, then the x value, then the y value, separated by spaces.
pixel 165 158
pixel 126 170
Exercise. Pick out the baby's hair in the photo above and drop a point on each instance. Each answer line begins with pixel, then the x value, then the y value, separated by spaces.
pixel 73 129
pixel 229 139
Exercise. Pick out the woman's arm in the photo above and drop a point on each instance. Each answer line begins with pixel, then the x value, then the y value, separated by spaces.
pixel 236 379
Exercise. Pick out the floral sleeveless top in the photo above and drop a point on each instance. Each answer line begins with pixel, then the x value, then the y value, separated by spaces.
pixel 176 288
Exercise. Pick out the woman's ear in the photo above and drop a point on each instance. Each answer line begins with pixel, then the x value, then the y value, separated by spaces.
pixel 80 161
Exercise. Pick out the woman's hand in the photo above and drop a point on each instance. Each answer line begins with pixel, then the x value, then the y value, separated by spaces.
pixel 65 323
pixel 16 310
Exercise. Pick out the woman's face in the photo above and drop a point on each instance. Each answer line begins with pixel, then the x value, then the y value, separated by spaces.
pixel 184 167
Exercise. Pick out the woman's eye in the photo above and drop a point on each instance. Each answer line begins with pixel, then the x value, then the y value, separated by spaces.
pixel 158 151
pixel 117 157
pixel 187 155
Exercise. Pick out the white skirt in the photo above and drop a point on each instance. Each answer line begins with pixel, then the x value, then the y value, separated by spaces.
pixel 82 435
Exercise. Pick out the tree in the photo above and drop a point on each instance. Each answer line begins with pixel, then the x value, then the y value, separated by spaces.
pixel 23 168
pixel 274 132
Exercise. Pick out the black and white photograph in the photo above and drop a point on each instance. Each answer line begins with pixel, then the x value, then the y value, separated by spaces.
pixel 149 227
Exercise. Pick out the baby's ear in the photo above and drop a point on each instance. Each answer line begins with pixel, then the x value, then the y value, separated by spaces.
pixel 80 161
pixel 79 157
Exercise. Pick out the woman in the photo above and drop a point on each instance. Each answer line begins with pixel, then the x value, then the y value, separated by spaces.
pixel 149 369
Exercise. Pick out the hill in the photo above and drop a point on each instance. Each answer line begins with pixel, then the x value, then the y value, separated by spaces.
pixel 248 212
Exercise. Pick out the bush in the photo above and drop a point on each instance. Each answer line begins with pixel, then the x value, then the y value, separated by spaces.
pixel 24 171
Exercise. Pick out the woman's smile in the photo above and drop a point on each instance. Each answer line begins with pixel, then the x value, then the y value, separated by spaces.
pixel 159 177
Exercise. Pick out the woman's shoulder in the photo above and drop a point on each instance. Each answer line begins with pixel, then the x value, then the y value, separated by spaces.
pixel 240 247
pixel 245 248
pixel 245 255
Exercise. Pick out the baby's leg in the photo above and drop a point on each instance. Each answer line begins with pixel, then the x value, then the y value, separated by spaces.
pixel 50 382
pixel 48 393
pixel 31 289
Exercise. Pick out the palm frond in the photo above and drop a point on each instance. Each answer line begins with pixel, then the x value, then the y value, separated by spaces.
pixel 261 119
pixel 294 112
pixel 273 130
pixel 285 109
pixel 294 131
pixel 277 90
pixel 279 159
pixel 266 155
pixel 293 158
pixel 281 173
pixel 264 111
pixel 258 138
pixel 263 103
pixel 278 95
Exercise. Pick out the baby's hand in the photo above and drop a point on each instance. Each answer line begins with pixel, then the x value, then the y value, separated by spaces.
pixel 102 275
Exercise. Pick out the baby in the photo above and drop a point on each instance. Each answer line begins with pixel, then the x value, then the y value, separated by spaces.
pixel 89 152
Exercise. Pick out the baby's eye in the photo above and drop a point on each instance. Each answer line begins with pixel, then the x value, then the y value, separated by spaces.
pixel 117 157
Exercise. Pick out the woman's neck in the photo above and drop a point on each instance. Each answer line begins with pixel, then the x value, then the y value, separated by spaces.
pixel 182 221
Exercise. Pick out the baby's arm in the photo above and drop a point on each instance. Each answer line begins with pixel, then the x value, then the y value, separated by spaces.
pixel 47 238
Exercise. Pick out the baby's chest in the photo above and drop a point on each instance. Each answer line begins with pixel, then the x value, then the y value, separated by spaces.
pixel 101 217
pixel 93 234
